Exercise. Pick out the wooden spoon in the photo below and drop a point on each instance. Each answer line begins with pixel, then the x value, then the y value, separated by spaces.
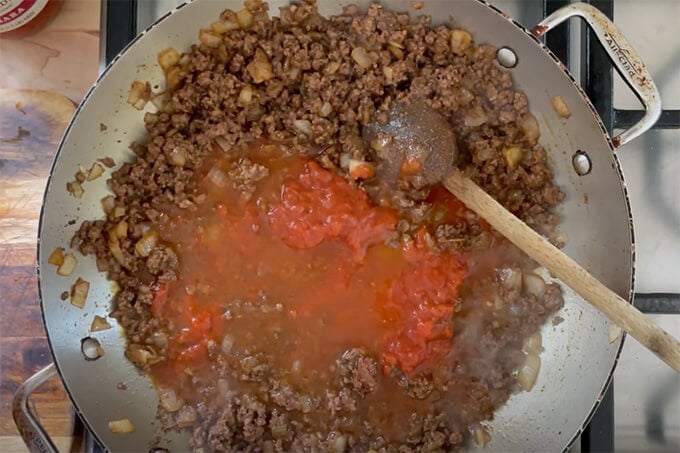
pixel 419 141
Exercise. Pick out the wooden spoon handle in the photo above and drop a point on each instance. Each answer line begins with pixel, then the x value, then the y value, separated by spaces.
pixel 560 265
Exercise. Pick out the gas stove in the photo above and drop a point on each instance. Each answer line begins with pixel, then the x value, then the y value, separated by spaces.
pixel 640 411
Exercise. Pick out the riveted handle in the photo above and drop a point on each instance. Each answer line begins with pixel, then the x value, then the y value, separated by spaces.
pixel 623 57
pixel 35 437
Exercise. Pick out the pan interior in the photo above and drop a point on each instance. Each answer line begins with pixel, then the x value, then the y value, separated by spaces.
pixel 578 357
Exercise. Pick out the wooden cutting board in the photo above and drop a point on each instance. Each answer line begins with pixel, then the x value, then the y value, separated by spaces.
pixel 31 125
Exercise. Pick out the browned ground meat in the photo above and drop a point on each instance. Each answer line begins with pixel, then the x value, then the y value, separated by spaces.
pixel 307 92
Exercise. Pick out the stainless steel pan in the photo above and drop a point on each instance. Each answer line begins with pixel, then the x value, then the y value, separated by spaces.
pixel 579 357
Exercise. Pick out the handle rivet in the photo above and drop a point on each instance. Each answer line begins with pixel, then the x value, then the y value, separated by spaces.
pixel 91 348
pixel 581 162
pixel 506 57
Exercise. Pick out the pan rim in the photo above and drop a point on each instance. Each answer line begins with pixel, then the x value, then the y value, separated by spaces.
pixel 494 9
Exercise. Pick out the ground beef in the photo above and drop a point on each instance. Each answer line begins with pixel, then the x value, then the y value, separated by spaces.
pixel 293 80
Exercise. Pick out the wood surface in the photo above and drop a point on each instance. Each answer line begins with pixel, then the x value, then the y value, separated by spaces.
pixel 617 309
pixel 42 77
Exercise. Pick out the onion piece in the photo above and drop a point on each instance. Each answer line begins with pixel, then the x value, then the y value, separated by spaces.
pixel 533 284
pixel 147 243
pixel 222 143
pixel 67 266
pixel 359 169
pixel 460 41
pixel 75 189
pixel 218 177
pixel 227 344
pixel 168 58
pixel 173 77
pixel 108 204
pixel 260 70
pixel 361 57
pixel 57 257
pixel 332 67
pixel 79 292
pixel 221 28
pixel 529 126
pixel 122 426
pixel 340 444
pixel 513 155
pixel 209 39
pixel 511 278
pixel 245 97
pixel 560 106
pixel 474 117
pixel 177 156
pixel 95 172
pixel 139 94
pixel 528 372
pixel 303 126
pixel 99 323
pixel 326 109
pixel 244 18
pixel 481 436
pixel 533 344
pixel 168 399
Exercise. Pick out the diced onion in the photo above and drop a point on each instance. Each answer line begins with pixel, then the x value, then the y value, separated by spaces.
pixel 99 323
pixel 244 18
pixel 221 28
pixel 513 155
pixel 396 50
pixel 533 344
pixel 95 172
pixel 79 292
pixel 359 169
pixel 245 97
pixel 177 156
pixel 222 143
pixel 306 404
pixel 325 109
pixel 173 77
pixel 57 257
pixel 260 70
pixel 614 332
pixel 139 94
pixel 481 436
pixel 303 126
pixel 474 117
pixel 530 128
pixel 361 57
pixel 388 72
pixel 122 426
pixel 528 372
pixel 227 344
pixel 67 266
pixel 460 41
pixel 511 278
pixel 560 106
pixel 168 58
pixel 340 444
pixel 75 189
pixel 218 177
pixel 210 39
pixel 168 399
pixel 332 67
pixel 147 243
pixel 533 284
pixel 142 354
pixel 186 417
pixel 119 211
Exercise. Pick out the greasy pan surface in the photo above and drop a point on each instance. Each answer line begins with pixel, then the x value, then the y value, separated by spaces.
pixel 578 357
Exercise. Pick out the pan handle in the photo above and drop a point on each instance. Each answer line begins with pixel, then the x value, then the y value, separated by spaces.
pixel 623 57
pixel 34 435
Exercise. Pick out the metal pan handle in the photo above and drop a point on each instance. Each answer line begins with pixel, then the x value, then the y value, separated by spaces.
pixel 35 437
pixel 623 57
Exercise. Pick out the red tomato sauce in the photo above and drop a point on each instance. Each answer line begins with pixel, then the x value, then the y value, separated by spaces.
pixel 302 272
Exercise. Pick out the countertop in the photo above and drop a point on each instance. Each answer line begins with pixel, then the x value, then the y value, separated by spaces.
pixel 42 77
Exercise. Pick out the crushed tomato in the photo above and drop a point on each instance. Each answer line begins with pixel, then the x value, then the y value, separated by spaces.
pixel 317 246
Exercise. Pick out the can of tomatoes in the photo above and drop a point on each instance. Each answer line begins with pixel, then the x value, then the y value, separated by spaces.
pixel 22 17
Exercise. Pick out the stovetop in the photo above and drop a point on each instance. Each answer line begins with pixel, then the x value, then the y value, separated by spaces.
pixel 641 410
